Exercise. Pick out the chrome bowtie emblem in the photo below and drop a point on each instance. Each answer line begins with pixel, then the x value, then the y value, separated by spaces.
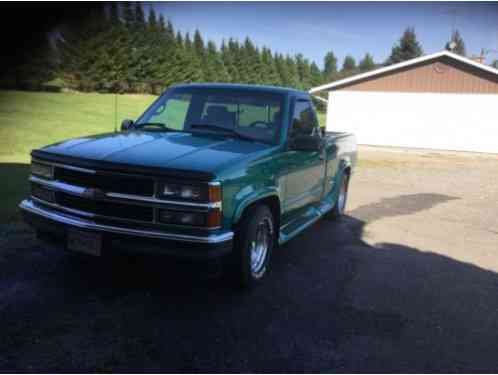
pixel 93 193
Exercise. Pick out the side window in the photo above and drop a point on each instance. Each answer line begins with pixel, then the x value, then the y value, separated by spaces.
pixel 303 119
pixel 173 112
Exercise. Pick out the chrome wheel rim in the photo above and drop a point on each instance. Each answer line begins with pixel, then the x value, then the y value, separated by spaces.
pixel 343 196
pixel 260 246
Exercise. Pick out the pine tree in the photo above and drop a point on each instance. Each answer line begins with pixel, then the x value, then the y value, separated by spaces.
pixel 214 69
pixel 303 71
pixel 169 31
pixel 152 22
pixel 249 63
pixel 330 67
pixel 105 53
pixel 128 14
pixel 316 75
pixel 456 44
pixel 408 48
pixel 114 14
pixel 179 39
pixel 270 74
pixel 349 64
pixel 187 42
pixel 199 45
pixel 292 71
pixel 366 63
pixel 139 21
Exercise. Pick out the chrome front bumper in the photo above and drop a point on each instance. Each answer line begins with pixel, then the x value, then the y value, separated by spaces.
pixel 214 238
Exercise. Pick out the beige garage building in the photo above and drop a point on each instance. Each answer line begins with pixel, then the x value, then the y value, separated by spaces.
pixel 438 101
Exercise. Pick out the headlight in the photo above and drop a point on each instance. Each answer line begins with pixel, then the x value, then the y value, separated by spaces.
pixel 176 191
pixel 42 170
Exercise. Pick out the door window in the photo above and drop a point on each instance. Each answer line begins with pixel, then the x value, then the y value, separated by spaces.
pixel 303 119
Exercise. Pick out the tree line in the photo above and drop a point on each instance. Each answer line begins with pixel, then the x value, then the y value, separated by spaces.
pixel 119 48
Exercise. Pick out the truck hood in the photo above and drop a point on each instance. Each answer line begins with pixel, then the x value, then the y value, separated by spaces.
pixel 180 151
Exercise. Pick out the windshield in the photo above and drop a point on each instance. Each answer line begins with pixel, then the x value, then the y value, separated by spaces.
pixel 249 114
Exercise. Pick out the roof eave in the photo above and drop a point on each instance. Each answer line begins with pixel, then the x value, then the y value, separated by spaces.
pixel 400 65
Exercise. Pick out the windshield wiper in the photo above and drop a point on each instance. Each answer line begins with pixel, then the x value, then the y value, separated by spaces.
pixel 160 125
pixel 223 129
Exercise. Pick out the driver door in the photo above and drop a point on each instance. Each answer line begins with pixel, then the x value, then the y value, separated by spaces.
pixel 305 170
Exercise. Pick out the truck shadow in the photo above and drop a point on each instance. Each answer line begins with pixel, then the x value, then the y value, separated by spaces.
pixel 332 302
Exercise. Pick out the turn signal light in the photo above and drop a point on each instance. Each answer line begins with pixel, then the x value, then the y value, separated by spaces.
pixel 214 193
pixel 214 218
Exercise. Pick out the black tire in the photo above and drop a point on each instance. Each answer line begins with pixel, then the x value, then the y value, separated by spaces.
pixel 340 205
pixel 245 271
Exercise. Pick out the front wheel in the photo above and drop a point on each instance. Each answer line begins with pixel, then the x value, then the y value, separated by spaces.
pixel 254 241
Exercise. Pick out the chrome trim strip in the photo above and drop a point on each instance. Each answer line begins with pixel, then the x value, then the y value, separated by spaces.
pixel 80 191
pixel 162 201
pixel 65 166
pixel 58 185
pixel 29 206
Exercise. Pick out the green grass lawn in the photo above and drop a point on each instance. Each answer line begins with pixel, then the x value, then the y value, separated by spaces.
pixel 30 120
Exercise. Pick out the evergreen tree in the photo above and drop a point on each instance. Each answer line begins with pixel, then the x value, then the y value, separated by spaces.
pixel 114 14
pixel 128 14
pixel 105 52
pixel 152 22
pixel 366 63
pixel 199 45
pixel 495 64
pixel 270 74
pixel 303 71
pixel 187 42
pixel 214 70
pixel 230 56
pixel 293 78
pixel 316 75
pixel 349 64
pixel 169 31
pixel 408 48
pixel 456 44
pixel 179 39
pixel 330 67
pixel 139 21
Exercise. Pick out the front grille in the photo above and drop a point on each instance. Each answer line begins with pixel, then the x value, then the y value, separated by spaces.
pixel 84 192
pixel 109 209
pixel 110 183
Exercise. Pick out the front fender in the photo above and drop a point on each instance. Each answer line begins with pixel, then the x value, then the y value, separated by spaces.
pixel 245 200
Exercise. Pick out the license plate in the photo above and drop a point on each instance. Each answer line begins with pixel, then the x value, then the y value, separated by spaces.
pixel 84 242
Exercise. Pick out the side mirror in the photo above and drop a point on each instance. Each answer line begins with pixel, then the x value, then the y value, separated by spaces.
pixel 307 143
pixel 127 125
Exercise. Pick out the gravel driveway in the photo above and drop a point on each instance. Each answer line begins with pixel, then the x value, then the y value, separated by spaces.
pixel 406 283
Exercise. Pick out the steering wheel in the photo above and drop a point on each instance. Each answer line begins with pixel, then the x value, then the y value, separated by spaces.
pixel 256 124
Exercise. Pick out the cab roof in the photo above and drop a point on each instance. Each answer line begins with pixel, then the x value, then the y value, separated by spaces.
pixel 236 86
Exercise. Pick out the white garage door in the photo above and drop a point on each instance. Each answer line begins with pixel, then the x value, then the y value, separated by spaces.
pixel 465 122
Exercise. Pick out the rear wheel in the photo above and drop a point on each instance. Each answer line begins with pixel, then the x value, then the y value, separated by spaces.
pixel 254 241
pixel 342 198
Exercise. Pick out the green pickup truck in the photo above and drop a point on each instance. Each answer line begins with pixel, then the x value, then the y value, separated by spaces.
pixel 209 170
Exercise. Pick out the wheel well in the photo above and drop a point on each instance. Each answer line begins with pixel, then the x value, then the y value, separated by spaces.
pixel 273 203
